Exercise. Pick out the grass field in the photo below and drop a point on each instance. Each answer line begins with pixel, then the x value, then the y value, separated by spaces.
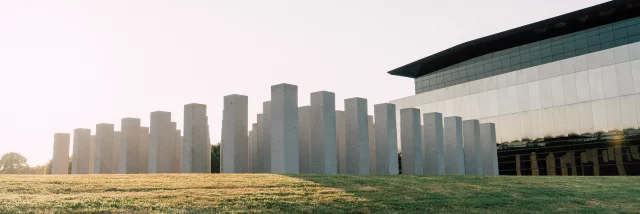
pixel 173 193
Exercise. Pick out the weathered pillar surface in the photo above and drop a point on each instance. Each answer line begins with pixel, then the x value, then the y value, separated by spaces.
pixel 341 139
pixel 386 139
pixel 253 148
pixel 488 149
pixel 178 151
pixel 92 148
pixel 372 145
pixel 259 141
pixel 129 146
pixel 454 154
pixel 175 152
pixel 235 141
pixel 116 153
pixel 433 144
pixel 208 148
pixel 411 141
pixel 143 151
pixel 161 145
pixel 194 147
pixel 103 153
pixel 304 138
pixel 357 129
pixel 264 148
pixel 324 154
pixel 472 147
pixel 60 162
pixel 81 151
pixel 284 129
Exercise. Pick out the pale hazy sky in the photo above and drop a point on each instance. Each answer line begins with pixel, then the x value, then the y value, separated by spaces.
pixel 72 64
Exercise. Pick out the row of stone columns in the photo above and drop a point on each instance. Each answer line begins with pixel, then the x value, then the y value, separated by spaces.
pixel 317 139
pixel 136 149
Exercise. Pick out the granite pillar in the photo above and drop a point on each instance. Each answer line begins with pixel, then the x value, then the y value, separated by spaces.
pixel 103 153
pixel 116 153
pixel 453 146
pixel 60 161
pixel 411 141
pixel 284 129
pixel 92 148
pixel 357 135
pixel 143 151
pixel 234 135
pixel 161 144
pixel 81 151
pixel 264 148
pixel 372 145
pixel 386 139
pixel 194 147
pixel 488 149
pixel 253 148
pixel 304 138
pixel 433 144
pixel 472 147
pixel 129 146
pixel 324 156
pixel 341 139
pixel 259 145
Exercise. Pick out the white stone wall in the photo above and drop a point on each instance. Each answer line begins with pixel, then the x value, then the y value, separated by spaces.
pixel 595 92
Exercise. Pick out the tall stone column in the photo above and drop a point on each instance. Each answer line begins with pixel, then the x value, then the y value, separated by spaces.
pixel 264 148
pixel 234 135
pixel 472 147
pixel 341 139
pixel 129 146
pixel 92 148
pixel 454 154
pixel 103 153
pixel 259 145
pixel 372 145
pixel 208 148
pixel 194 147
pixel 411 141
pixel 324 154
pixel 433 144
pixel 178 151
pixel 489 150
pixel 357 129
pixel 161 145
pixel 143 151
pixel 284 129
pixel 116 153
pixel 304 138
pixel 60 161
pixel 253 148
pixel 81 151
pixel 386 134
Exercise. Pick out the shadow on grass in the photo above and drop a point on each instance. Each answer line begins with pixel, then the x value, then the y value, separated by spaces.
pixel 451 193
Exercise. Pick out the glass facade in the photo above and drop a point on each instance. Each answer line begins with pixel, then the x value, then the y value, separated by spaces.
pixel 533 54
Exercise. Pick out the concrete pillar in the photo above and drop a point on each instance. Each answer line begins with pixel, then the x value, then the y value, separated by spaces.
pixel 454 154
pixel 341 139
pixel 178 151
pixel 433 144
pixel 143 151
pixel 386 139
pixel 324 156
pixel 208 148
pixel 357 129
pixel 129 146
pixel 81 151
pixel 253 148
pixel 103 153
pixel 411 141
pixel 60 161
pixel 488 149
pixel 264 148
pixel 304 139
pixel 259 141
pixel 161 145
pixel 472 147
pixel 234 135
pixel 92 148
pixel 372 145
pixel 116 153
pixel 194 147
pixel 284 129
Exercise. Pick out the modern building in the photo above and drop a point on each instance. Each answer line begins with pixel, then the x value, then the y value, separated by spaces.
pixel 564 92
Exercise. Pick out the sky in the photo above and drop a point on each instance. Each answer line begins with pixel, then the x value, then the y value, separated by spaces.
pixel 70 64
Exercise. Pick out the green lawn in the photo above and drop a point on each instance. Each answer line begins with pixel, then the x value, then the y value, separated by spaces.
pixel 174 193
